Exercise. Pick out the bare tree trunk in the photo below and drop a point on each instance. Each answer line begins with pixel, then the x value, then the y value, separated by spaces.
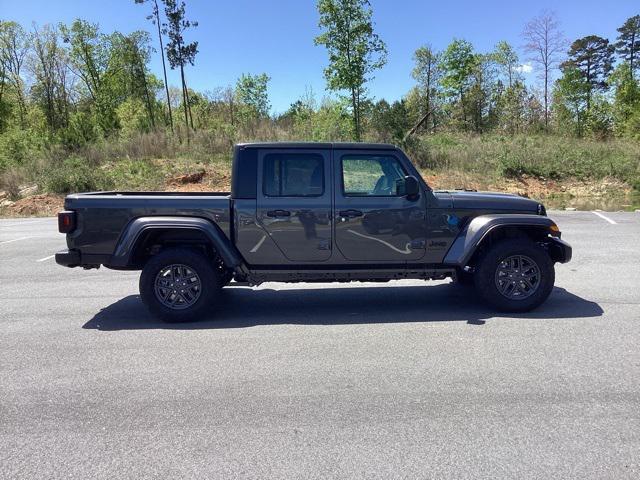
pixel 145 87
pixel 184 103
pixel 415 128
pixel 1 84
pixel 546 98
pixel 631 57
pixel 148 99
pixel 356 121
pixel 186 94
pixel 164 66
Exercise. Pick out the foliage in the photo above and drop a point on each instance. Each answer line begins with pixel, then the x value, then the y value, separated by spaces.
pixel 252 95
pixel 592 58
pixel 628 44
pixel 427 95
pixel 75 175
pixel 354 49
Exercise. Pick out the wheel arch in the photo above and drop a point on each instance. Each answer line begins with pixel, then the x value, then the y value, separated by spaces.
pixel 144 233
pixel 485 230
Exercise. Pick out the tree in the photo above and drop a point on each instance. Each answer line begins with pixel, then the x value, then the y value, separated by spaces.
pixel 545 44
pixel 88 54
pixel 512 107
pixel 391 121
pixel 507 59
pixel 570 95
pixel 14 45
pixel 48 67
pixel 128 75
pixel 155 19
pixel 5 107
pixel 428 74
pixel 628 44
pixel 458 63
pixel 480 99
pixel 90 57
pixel 626 105
pixel 179 52
pixel 592 56
pixel 355 50
pixel 251 93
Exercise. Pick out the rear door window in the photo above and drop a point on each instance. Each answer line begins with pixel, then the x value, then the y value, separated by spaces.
pixel 293 175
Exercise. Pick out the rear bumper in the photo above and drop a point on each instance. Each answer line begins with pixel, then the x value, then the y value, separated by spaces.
pixel 68 258
pixel 560 250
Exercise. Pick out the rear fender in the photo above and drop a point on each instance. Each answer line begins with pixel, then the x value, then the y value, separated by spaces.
pixel 127 243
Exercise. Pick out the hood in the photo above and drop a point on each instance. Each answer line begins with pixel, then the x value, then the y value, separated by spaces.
pixel 489 201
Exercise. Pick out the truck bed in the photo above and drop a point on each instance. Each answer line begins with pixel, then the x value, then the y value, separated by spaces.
pixel 151 194
pixel 108 213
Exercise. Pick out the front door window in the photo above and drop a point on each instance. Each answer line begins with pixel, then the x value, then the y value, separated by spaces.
pixel 371 176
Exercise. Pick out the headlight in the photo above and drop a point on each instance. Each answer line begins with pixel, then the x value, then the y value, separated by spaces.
pixel 554 231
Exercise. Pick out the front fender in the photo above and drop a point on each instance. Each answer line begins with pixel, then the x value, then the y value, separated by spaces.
pixel 132 232
pixel 467 242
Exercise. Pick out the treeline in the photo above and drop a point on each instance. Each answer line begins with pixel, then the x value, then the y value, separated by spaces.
pixel 64 87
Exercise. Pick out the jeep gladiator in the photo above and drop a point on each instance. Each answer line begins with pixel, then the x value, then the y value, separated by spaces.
pixel 314 212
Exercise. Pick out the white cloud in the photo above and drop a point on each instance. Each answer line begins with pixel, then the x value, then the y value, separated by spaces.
pixel 525 68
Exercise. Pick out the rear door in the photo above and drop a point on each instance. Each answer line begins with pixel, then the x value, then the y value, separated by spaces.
pixel 294 202
pixel 374 222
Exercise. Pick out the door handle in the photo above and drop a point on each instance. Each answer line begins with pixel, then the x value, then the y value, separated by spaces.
pixel 278 213
pixel 350 213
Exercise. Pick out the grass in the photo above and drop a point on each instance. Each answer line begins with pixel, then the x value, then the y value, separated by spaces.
pixel 146 161
pixel 546 157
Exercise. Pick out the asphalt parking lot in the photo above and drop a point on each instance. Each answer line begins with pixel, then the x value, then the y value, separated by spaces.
pixel 401 380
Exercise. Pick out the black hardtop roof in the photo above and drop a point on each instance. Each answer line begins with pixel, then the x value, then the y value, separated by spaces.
pixel 334 145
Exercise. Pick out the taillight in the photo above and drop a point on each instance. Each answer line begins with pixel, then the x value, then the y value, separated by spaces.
pixel 66 221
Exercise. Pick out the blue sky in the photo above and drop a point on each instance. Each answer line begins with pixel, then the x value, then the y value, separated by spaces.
pixel 276 36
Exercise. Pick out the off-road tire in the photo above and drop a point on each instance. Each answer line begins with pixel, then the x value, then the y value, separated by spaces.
pixel 209 291
pixel 489 263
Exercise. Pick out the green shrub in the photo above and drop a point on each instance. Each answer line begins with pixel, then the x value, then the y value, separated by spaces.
pixel 135 175
pixel 16 146
pixel 75 175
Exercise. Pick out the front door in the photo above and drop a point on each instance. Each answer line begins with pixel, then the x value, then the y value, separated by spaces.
pixel 374 221
pixel 294 202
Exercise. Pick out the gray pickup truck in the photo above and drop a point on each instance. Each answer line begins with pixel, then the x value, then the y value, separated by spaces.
pixel 314 212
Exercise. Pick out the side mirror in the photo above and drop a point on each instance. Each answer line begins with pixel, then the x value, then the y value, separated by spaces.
pixel 408 187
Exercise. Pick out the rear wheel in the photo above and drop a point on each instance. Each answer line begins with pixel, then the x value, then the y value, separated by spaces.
pixel 515 275
pixel 179 285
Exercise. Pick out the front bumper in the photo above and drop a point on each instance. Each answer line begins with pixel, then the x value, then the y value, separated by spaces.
pixel 560 250
pixel 68 258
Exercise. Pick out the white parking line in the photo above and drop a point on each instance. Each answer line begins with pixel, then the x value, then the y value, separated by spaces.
pixel 18 223
pixel 605 218
pixel 46 258
pixel 15 240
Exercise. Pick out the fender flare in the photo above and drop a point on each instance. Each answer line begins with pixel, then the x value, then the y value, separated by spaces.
pixel 470 238
pixel 133 231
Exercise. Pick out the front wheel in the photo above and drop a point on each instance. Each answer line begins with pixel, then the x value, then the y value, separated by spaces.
pixel 179 285
pixel 515 275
